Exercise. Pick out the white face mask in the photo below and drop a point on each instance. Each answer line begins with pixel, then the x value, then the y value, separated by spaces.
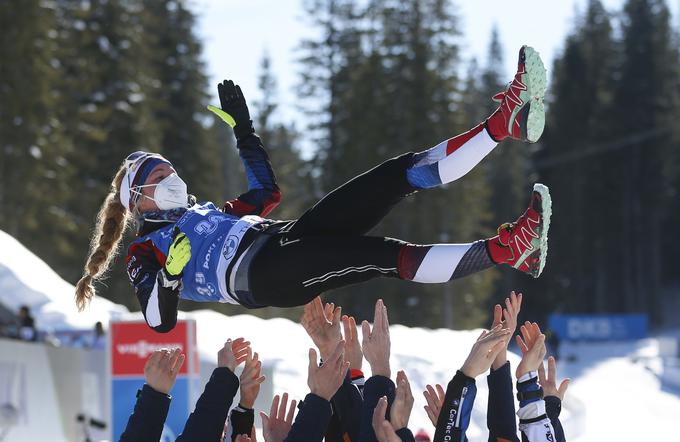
pixel 170 193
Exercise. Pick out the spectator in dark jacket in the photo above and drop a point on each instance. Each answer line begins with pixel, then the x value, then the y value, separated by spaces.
pixel 534 422
pixel 454 416
pixel 379 388
pixel 315 411
pixel 553 395
pixel 153 400
pixel 322 324
pixel 206 423
pixel 500 415
pixel 242 417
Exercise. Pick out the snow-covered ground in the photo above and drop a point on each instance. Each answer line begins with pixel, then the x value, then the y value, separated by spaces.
pixel 25 279
pixel 615 394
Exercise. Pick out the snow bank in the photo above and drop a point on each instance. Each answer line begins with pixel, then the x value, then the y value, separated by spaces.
pixel 612 382
pixel 26 280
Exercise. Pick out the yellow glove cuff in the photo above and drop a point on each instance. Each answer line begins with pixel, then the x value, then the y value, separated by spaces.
pixel 223 115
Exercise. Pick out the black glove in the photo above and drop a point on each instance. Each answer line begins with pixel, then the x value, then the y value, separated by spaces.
pixel 234 109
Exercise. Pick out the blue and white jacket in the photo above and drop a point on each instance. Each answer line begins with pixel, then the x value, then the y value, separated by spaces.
pixel 218 237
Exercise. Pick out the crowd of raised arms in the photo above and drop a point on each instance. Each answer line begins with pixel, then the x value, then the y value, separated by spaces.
pixel 343 406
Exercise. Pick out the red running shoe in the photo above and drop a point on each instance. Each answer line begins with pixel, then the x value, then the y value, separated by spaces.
pixel 521 114
pixel 524 243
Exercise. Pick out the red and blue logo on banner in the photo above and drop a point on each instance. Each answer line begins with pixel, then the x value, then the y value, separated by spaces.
pixel 131 345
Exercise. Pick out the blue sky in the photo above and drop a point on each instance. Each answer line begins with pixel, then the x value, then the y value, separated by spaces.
pixel 236 33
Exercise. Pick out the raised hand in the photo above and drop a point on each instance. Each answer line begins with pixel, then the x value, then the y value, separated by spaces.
pixel 484 351
pixel 322 325
pixel 532 344
pixel 233 353
pixel 325 381
pixel 549 383
pixel 250 380
pixel 234 110
pixel 160 371
pixel 403 402
pixel 508 317
pixel 353 353
pixel 384 431
pixel 435 400
pixel 376 341
pixel 277 425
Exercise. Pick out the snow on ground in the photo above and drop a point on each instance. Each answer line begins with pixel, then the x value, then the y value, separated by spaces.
pixel 618 388
pixel 26 280
pixel 613 383
pixel 427 356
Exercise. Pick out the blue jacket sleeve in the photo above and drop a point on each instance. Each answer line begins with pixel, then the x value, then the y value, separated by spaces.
pixel 454 417
pixel 346 412
pixel 311 421
pixel 500 414
pixel 148 417
pixel 263 193
pixel 207 420
pixel 374 388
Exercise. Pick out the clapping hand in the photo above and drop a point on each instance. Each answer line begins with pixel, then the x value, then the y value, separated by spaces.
pixel 384 431
pixel 233 353
pixel 277 425
pixel 403 402
pixel 322 325
pixel 508 317
pixel 160 371
pixel 435 400
pixel 376 341
pixel 250 380
pixel 353 353
pixel 325 381
pixel 532 344
pixel 549 383
pixel 484 351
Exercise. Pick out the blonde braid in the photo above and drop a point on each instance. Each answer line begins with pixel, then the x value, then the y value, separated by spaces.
pixel 112 220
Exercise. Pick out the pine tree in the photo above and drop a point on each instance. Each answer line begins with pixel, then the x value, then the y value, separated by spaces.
pixel 34 169
pixel 647 99
pixel 579 113
pixel 180 97
pixel 280 140
pixel 393 93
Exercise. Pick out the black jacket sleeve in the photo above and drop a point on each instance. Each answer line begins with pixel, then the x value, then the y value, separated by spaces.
pixel 553 408
pixel 263 193
pixel 454 416
pixel 311 421
pixel 158 294
pixel 242 421
pixel 207 421
pixel 147 419
pixel 346 417
pixel 374 388
pixel 500 414
pixel 405 435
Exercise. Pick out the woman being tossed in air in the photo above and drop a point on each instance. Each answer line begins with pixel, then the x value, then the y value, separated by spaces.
pixel 197 251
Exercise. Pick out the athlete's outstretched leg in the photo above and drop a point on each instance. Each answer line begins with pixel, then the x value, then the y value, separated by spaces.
pixel 521 116
pixel 290 273
pixel 358 205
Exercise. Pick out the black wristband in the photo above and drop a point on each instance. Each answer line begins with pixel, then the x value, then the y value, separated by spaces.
pixel 529 395
pixel 242 130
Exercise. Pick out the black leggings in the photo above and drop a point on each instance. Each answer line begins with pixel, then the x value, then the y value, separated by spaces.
pixel 325 248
